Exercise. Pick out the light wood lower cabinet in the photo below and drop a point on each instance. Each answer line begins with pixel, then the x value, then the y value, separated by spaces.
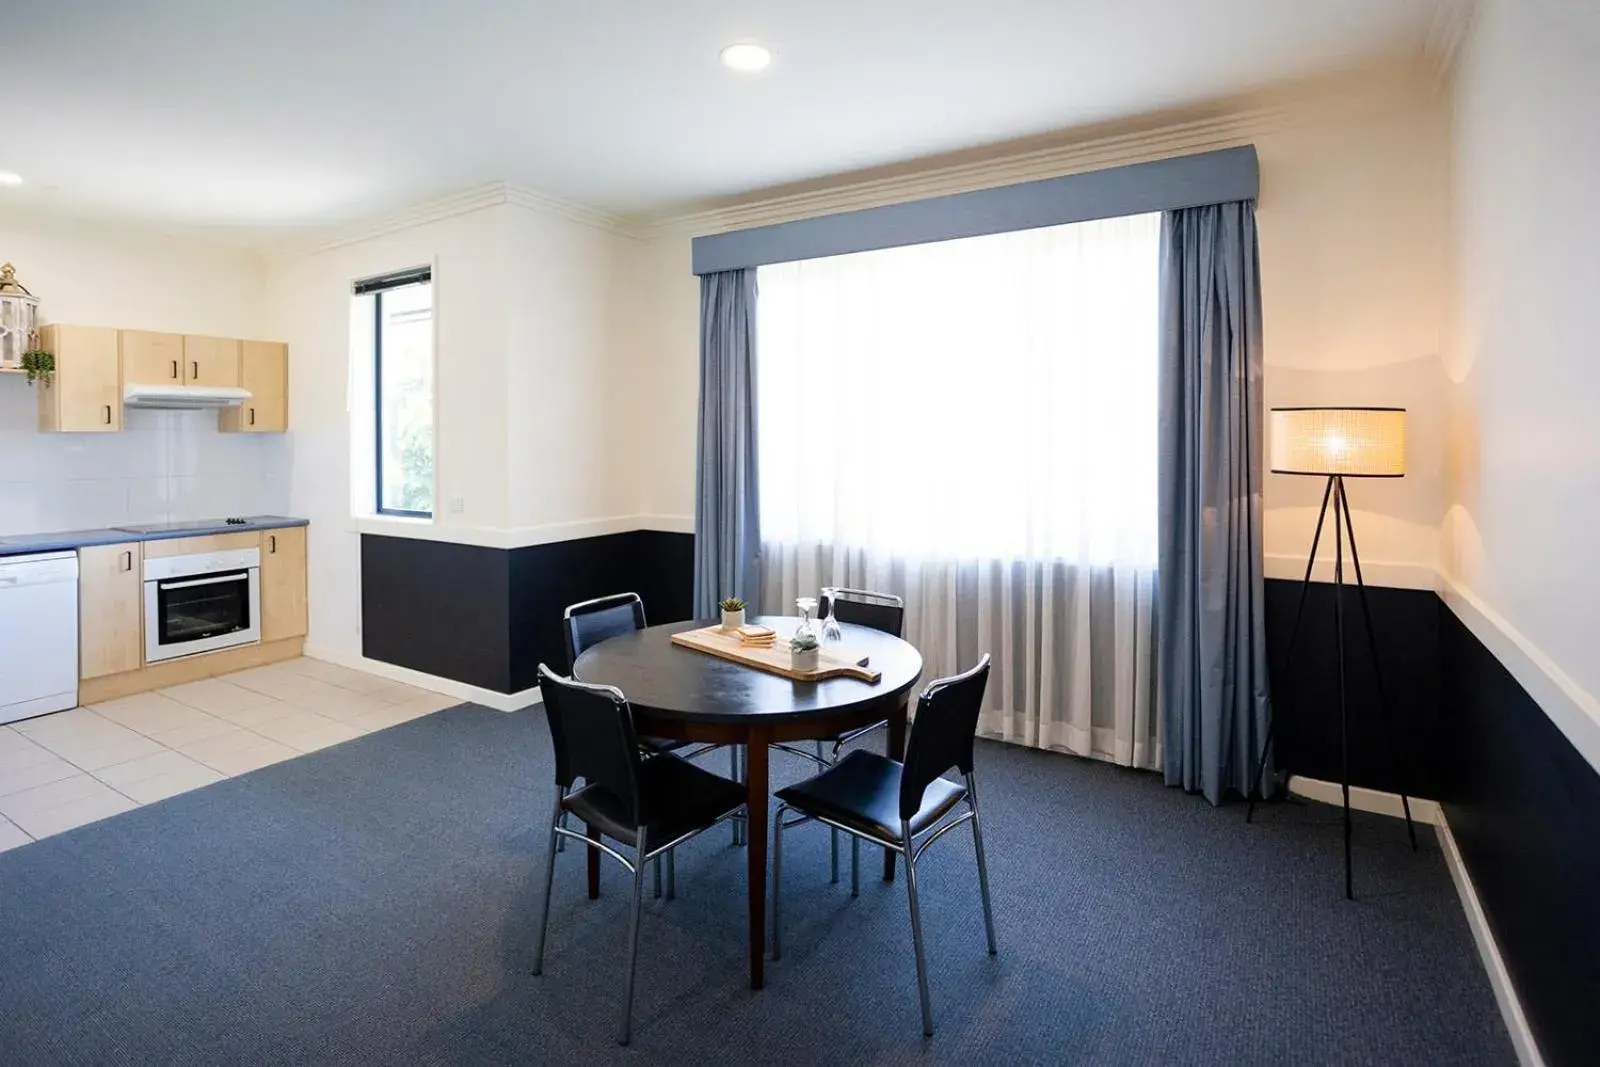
pixel 86 393
pixel 264 370
pixel 110 610
pixel 283 583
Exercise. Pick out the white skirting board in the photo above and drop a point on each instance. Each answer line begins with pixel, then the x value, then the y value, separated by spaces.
pixel 489 698
pixel 1429 811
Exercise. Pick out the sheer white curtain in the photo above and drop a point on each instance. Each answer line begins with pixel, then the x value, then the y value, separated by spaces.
pixel 972 424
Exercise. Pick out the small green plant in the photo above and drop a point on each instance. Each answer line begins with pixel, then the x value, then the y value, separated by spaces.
pixel 39 364
pixel 733 603
pixel 802 642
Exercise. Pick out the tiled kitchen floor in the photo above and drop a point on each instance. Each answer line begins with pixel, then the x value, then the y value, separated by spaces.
pixel 61 771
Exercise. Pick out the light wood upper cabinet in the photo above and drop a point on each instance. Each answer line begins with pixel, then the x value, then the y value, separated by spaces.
pixel 152 358
pixel 210 361
pixel 110 610
pixel 86 394
pixel 283 583
pixel 264 371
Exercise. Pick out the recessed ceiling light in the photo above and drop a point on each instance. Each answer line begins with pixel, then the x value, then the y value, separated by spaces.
pixel 10 177
pixel 746 57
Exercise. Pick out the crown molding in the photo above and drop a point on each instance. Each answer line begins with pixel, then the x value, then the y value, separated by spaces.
pixel 525 197
pixel 465 201
pixel 1447 35
pixel 1353 94
pixel 1224 132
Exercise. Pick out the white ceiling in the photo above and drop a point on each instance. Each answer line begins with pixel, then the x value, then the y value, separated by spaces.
pixel 293 113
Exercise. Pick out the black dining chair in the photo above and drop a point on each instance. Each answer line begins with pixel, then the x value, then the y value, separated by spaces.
pixel 586 624
pixel 886 613
pixel 649 806
pixel 889 803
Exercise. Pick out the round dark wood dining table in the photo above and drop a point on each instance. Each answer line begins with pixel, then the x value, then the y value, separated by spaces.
pixel 687 695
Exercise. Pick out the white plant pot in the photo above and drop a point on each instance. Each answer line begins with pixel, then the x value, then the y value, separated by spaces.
pixel 807 660
pixel 732 620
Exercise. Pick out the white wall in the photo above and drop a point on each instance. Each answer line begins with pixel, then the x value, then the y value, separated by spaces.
pixel 569 445
pixel 1354 223
pixel 165 465
pixel 1524 460
pixel 526 353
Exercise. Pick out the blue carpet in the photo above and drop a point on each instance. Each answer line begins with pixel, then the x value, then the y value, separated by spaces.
pixel 374 903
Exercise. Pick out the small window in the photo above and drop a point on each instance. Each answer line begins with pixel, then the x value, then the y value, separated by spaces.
pixel 402 390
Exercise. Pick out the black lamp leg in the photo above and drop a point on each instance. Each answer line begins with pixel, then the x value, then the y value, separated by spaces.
pixel 1398 762
pixel 1259 771
pixel 1344 718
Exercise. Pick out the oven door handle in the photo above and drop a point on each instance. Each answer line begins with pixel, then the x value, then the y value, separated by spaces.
pixel 236 576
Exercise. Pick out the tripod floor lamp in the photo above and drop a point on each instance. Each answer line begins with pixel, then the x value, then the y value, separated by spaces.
pixel 1337 443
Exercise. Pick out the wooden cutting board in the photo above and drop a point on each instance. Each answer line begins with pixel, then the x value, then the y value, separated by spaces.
pixel 715 641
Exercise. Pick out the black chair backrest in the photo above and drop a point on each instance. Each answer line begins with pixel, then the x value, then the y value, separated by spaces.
pixel 591 730
pixel 861 607
pixel 593 621
pixel 941 736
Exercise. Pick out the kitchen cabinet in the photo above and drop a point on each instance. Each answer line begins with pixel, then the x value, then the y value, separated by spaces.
pixel 152 358
pixel 264 371
pixel 210 361
pixel 85 395
pixel 110 609
pixel 283 583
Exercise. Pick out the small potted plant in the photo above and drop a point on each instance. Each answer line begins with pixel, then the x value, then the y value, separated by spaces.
pixel 803 651
pixel 37 363
pixel 732 613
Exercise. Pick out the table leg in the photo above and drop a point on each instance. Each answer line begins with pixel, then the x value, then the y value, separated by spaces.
pixel 895 749
pixel 755 771
pixel 594 864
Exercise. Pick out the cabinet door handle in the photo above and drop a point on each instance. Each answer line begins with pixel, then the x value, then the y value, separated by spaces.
pixel 127 560
pixel 194 370
pixel 108 414
pixel 272 544
pixel 252 416
pixel 174 369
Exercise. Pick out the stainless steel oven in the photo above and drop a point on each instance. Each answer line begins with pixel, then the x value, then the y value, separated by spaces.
pixel 201 603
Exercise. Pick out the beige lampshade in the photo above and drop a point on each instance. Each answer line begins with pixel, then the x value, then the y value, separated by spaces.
pixel 1355 442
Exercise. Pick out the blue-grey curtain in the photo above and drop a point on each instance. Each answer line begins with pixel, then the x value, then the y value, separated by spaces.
pixel 727 534
pixel 1211 639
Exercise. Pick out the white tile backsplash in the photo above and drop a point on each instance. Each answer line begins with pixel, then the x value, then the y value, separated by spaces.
pixel 164 466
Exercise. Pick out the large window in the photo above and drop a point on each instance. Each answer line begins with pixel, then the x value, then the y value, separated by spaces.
pixel 990 398
pixel 399 309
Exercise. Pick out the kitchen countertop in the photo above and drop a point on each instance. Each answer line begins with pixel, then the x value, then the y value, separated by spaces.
pixel 24 544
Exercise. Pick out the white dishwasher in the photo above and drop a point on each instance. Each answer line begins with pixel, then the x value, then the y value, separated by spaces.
pixel 38 634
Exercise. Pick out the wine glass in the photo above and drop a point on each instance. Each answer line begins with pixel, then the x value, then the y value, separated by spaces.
pixel 831 630
pixel 807 607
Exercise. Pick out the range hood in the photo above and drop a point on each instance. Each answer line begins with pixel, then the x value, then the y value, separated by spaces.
pixel 184 397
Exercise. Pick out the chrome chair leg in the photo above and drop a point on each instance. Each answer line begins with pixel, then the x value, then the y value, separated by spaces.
pixel 833 843
pixel 983 864
pixel 633 936
pixel 916 930
pixel 549 886
pixel 561 842
pixel 777 882
pixel 735 764
pixel 855 865
pixel 672 875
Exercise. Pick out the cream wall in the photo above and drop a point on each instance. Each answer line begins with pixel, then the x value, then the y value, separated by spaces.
pixel 165 465
pixel 527 350
pixel 1354 223
pixel 1524 485
pixel 309 300
pixel 569 400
